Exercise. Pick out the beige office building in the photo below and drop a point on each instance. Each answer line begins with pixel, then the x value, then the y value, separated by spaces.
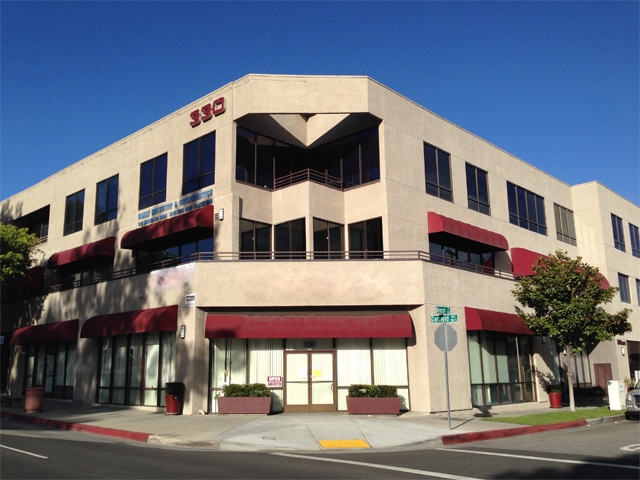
pixel 305 228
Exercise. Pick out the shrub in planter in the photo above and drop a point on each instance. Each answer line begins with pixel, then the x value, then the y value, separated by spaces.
pixel 373 399
pixel 555 395
pixel 245 398
pixel 173 392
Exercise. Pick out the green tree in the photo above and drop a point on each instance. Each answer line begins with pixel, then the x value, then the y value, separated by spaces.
pixel 567 302
pixel 17 248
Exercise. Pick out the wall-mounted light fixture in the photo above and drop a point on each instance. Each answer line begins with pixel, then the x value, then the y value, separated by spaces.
pixel 221 214
pixel 182 331
pixel 622 348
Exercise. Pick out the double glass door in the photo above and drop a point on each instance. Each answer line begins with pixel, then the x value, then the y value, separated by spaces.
pixel 309 382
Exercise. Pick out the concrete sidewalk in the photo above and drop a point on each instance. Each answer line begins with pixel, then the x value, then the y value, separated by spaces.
pixel 302 431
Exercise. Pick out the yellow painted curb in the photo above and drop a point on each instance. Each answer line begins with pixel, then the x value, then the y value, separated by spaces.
pixel 344 444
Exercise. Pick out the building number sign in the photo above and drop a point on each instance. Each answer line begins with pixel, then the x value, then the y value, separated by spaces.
pixel 210 110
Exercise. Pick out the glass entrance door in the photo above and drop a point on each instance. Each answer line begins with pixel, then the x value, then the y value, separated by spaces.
pixel 309 382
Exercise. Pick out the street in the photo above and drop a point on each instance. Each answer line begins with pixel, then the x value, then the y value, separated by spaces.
pixel 30 451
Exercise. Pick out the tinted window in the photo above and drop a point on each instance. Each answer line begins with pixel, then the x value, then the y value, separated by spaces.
pixel 74 212
pixel 153 182
pixel 107 200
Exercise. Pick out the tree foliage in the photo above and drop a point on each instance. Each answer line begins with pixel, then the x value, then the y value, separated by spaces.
pixel 17 248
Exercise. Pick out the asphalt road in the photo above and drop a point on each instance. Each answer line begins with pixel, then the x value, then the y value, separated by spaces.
pixel 587 452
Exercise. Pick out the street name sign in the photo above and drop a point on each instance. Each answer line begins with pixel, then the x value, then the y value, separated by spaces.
pixel 444 318
pixel 443 310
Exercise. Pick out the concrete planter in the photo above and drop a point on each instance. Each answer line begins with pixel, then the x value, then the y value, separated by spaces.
pixel 373 406
pixel 34 399
pixel 246 405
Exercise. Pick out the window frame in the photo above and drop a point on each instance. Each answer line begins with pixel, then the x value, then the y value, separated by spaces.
pixel 366 227
pixel 558 210
pixel 107 211
pixel 200 176
pixel 618 233
pixel 289 253
pixel 634 234
pixel 476 200
pixel 516 218
pixel 154 193
pixel 320 254
pixel 255 254
pixel 623 284
pixel 76 224
pixel 68 384
pixel 438 173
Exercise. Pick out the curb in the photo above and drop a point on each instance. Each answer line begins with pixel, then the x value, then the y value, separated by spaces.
pixel 79 427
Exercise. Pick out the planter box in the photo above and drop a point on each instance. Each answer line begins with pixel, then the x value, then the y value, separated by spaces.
pixel 373 406
pixel 555 399
pixel 34 399
pixel 259 405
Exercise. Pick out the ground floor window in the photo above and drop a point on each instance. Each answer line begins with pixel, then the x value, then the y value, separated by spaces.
pixel 134 368
pixel 580 369
pixel 52 365
pixel 500 368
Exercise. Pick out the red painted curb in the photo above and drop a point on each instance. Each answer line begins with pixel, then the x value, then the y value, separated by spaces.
pixel 509 432
pixel 79 427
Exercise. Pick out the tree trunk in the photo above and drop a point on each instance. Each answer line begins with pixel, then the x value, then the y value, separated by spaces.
pixel 572 402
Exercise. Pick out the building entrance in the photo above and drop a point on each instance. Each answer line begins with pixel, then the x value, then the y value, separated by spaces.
pixel 309 381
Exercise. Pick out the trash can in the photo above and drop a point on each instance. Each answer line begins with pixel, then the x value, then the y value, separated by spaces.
pixel 34 399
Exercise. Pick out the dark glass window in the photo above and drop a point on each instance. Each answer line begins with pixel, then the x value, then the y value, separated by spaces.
pixel 85 272
pixel 437 172
pixel 477 189
pixel 182 253
pixel 526 209
pixel 638 290
pixel 618 234
pixel 565 228
pixel 466 257
pixel 153 182
pixel 51 365
pixel 199 163
pixel 255 240
pixel 327 239
pixel 635 240
pixel 623 283
pixel 365 239
pixel 73 213
pixel 107 200
pixel 290 241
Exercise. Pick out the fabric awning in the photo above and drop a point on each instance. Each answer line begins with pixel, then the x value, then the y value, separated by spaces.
pixel 163 319
pixel 440 223
pixel 477 319
pixel 105 248
pixel 48 332
pixel 352 326
pixel 201 219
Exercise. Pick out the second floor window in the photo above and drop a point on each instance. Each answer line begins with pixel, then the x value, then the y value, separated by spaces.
pixel 290 241
pixel 618 233
pixel 477 189
pixel 623 283
pixel 327 239
pixel 635 240
pixel 526 209
pixel 107 200
pixel 153 182
pixel 74 212
pixel 365 239
pixel 255 240
pixel 437 170
pixel 199 164
pixel 565 228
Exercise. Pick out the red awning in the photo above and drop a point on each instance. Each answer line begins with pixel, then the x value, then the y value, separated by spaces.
pixel 49 332
pixel 478 319
pixel 256 326
pixel 106 248
pixel 523 259
pixel 201 218
pixel 440 223
pixel 163 319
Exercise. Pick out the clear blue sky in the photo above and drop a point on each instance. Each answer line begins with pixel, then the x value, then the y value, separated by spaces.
pixel 555 84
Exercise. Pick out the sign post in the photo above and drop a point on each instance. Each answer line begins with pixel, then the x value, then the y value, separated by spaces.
pixel 445 338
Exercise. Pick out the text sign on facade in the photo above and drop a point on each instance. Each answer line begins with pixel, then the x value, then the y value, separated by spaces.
pixel 444 318
pixel 190 300
pixel 274 382
pixel 443 310
pixel 207 112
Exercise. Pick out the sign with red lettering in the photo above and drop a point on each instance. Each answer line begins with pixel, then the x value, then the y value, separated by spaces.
pixel 274 382
pixel 207 112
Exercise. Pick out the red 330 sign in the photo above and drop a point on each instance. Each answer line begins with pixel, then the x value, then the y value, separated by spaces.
pixel 207 112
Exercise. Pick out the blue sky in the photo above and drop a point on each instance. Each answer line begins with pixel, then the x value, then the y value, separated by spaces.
pixel 554 83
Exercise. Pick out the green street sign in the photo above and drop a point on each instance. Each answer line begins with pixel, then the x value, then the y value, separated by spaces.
pixel 448 318
pixel 443 310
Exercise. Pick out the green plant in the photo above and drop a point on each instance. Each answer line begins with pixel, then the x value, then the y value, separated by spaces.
pixel 373 391
pixel 247 390
pixel 629 383
pixel 554 388
pixel 174 388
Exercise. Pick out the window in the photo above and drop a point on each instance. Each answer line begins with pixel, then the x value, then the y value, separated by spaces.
pixel 153 182
pixel 477 190
pixel 635 240
pixel 580 369
pixel 638 290
pixel 623 283
pixel 181 253
pixel 500 367
pixel 526 209
pixel 199 164
pixel 290 241
pixel 107 200
pixel 437 171
pixel 84 272
pixel 365 239
pixel 255 240
pixel 565 228
pixel 51 365
pixel 618 234
pixel 74 211
pixel 468 258
pixel 327 238
pixel 134 368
